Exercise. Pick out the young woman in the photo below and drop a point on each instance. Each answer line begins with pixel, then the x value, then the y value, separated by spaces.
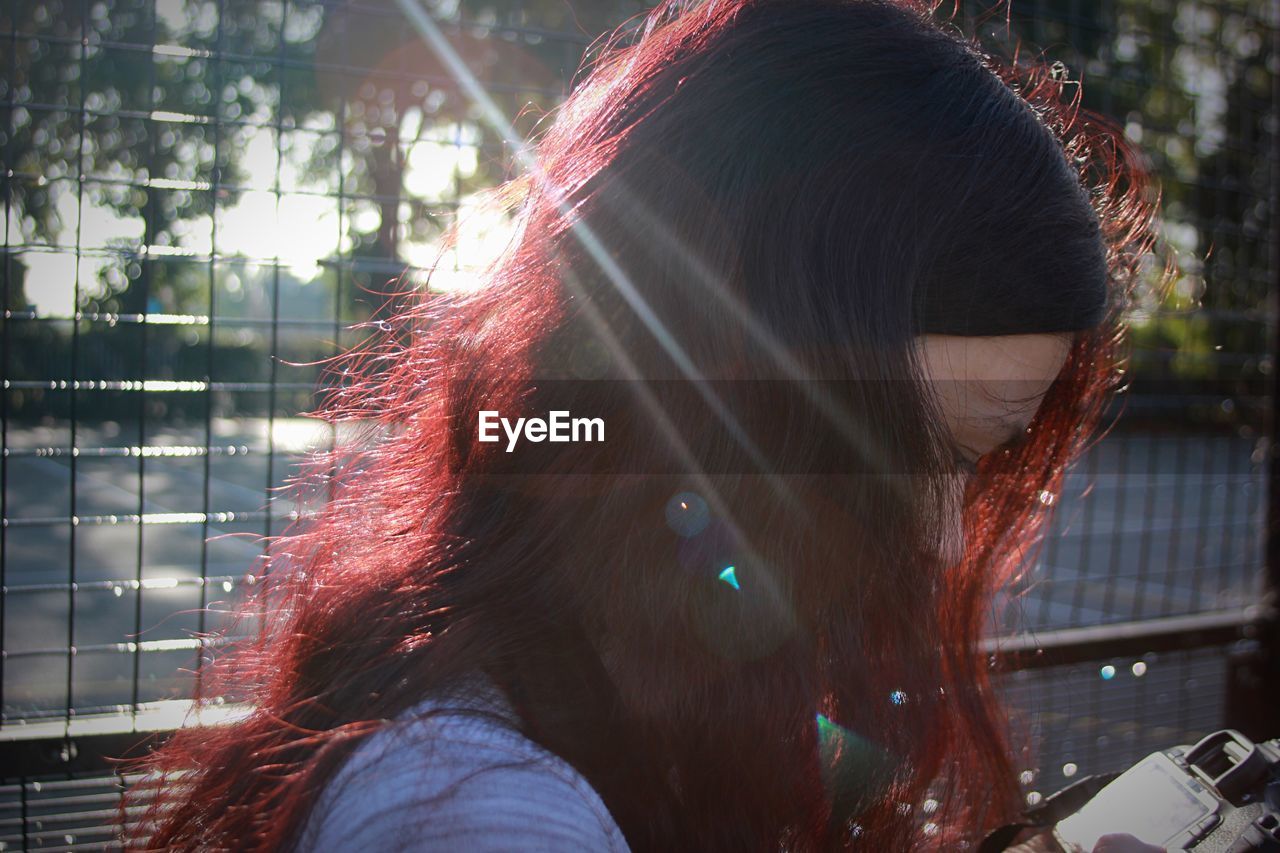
pixel 845 294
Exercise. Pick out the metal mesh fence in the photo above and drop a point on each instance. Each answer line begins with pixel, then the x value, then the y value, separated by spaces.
pixel 1173 519
pixel 200 198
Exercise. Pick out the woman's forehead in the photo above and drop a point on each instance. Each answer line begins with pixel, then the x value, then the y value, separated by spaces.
pixel 1034 358
pixel 989 388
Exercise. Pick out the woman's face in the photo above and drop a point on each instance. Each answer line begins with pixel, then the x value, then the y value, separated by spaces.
pixel 989 389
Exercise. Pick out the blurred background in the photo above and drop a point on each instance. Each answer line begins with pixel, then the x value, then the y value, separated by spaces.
pixel 201 197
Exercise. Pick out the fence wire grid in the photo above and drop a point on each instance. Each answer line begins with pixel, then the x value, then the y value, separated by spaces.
pixel 201 198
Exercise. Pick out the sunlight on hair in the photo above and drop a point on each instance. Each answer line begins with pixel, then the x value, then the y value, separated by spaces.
pixel 585 235
pixel 484 231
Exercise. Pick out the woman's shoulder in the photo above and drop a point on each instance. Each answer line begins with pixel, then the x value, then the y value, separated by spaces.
pixel 453 773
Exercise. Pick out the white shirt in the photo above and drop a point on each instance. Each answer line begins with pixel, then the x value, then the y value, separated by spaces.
pixel 460 779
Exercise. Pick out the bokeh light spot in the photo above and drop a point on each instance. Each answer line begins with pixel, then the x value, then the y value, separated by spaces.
pixel 730 576
pixel 687 514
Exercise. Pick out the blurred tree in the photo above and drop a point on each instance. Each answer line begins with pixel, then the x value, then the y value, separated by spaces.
pixel 174 92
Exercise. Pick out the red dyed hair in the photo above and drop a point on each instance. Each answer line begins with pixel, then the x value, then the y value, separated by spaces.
pixel 737 189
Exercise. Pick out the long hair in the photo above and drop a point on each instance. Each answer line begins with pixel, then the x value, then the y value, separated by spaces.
pixel 738 189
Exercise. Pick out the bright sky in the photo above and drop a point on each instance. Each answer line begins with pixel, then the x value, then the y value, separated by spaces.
pixel 300 229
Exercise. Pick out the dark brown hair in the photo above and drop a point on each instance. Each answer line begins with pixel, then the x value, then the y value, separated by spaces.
pixel 738 189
